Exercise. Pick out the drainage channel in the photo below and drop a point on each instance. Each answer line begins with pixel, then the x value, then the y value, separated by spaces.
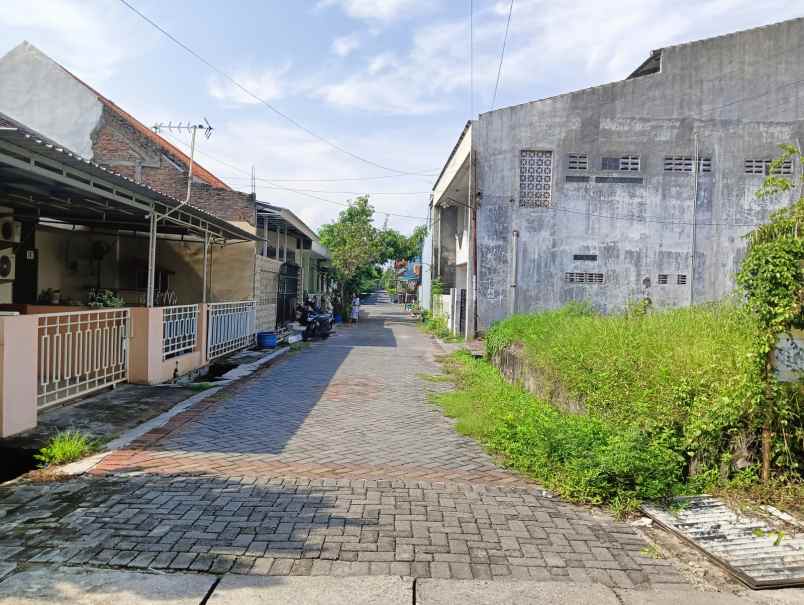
pixel 15 462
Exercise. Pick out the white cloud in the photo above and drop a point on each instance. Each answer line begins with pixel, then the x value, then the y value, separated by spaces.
pixel 345 45
pixel 553 47
pixel 84 37
pixel 268 84
pixel 379 10
pixel 287 153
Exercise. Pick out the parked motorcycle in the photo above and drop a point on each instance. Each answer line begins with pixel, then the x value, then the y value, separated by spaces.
pixel 316 323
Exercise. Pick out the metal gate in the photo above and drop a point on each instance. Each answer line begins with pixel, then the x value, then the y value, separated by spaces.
pixel 288 295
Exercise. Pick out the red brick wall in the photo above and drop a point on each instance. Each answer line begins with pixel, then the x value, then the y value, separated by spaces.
pixel 117 144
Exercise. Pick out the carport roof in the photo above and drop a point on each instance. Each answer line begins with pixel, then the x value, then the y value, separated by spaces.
pixel 42 179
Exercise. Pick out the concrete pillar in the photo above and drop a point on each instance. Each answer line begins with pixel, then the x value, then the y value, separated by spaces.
pixel 18 373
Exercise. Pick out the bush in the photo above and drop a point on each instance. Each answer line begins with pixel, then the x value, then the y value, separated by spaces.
pixel 671 401
pixel 691 373
pixel 65 446
pixel 578 456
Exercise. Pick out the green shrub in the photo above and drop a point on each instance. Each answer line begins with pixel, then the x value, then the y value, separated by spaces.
pixel 65 446
pixel 671 401
pixel 692 374
pixel 580 457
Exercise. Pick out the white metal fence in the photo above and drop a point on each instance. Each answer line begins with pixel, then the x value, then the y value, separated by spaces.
pixel 179 330
pixel 230 327
pixel 80 352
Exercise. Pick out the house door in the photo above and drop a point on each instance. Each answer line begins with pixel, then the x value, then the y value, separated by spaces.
pixel 24 287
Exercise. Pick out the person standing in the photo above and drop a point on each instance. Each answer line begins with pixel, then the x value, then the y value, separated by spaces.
pixel 355 308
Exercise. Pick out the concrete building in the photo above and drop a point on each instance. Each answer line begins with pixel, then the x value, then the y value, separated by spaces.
pixel 642 187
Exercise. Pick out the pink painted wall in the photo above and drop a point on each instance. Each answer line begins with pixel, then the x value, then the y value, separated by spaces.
pixel 18 338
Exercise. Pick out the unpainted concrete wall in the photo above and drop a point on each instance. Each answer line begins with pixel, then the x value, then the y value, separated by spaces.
pixel 638 230
pixel 37 92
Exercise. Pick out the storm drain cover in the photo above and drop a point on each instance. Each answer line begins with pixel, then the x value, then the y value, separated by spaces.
pixel 756 551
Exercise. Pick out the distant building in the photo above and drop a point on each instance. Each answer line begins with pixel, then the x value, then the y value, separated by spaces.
pixel 638 188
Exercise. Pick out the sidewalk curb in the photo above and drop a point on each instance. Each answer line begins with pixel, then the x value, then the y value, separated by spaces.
pixel 87 464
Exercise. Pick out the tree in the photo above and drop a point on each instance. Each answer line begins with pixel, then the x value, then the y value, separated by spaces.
pixel 354 245
pixel 771 276
pixel 357 248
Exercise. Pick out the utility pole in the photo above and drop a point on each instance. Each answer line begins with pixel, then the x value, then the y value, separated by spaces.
pixel 192 128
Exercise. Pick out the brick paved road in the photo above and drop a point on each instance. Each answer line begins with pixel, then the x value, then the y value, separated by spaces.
pixel 332 462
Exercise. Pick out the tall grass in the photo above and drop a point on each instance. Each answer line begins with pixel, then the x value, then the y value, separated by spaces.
pixel 693 371
pixel 671 400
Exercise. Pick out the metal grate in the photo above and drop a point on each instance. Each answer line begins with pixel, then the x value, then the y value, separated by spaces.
pixel 80 352
pixel 535 178
pixel 663 279
pixel 684 163
pixel 578 161
pixel 583 278
pixel 681 279
pixel 179 330
pixel 231 327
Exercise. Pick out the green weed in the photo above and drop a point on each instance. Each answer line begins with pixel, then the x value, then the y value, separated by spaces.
pixel 65 446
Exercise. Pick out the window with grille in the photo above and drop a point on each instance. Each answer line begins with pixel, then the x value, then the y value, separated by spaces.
pixel 684 163
pixel 578 161
pixel 583 278
pixel 763 167
pixel 663 279
pixel 535 178
pixel 629 163
pixel 681 279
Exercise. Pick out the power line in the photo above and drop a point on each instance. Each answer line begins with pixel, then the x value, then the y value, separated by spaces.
pixel 328 190
pixel 502 54
pixel 297 191
pixel 260 100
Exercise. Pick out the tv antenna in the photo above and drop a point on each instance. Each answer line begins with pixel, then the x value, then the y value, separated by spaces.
pixel 206 129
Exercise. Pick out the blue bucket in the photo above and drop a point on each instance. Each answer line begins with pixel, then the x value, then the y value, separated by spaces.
pixel 337 318
pixel 266 340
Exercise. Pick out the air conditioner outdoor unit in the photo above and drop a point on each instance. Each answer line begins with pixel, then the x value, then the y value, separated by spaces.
pixel 7 265
pixel 10 230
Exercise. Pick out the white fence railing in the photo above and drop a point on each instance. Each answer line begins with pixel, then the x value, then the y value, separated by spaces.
pixel 230 327
pixel 179 330
pixel 80 352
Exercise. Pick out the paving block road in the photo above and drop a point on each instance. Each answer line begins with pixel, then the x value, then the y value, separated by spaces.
pixel 330 463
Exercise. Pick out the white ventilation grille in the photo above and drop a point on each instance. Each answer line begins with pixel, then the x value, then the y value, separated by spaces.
pixel 583 278
pixel 630 163
pixel 684 163
pixel 681 279
pixel 578 161
pixel 535 178
pixel 663 278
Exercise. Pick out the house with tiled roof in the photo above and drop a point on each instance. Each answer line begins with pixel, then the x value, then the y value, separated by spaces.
pixel 42 94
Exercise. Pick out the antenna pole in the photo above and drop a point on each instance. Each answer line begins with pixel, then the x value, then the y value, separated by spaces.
pixel 193 128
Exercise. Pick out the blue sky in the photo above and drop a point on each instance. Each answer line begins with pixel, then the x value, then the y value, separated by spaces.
pixel 387 79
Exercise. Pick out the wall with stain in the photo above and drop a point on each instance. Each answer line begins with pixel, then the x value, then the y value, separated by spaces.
pixel 717 99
